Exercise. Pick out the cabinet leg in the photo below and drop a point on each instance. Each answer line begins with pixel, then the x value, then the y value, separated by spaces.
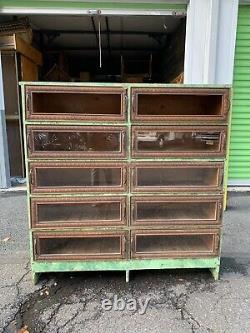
pixel 127 276
pixel 35 277
pixel 215 272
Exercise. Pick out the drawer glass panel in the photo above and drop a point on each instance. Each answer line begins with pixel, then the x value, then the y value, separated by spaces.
pixel 159 177
pixel 178 245
pixel 78 212
pixel 173 142
pixel 178 211
pixel 76 141
pixel 95 246
pixel 91 212
pixel 70 177
pixel 52 177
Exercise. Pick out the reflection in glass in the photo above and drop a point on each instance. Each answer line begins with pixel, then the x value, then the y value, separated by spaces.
pixel 77 141
pixel 165 176
pixel 79 212
pixel 167 211
pixel 160 141
pixel 85 246
pixel 173 243
pixel 80 177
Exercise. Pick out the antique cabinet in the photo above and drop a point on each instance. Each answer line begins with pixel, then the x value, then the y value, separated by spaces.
pixel 125 176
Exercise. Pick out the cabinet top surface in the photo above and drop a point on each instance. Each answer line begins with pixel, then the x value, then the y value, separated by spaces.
pixel 126 85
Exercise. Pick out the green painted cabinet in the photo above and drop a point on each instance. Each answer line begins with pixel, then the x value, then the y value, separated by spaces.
pixel 125 177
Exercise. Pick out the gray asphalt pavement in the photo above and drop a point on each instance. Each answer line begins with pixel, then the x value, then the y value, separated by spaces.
pixel 180 301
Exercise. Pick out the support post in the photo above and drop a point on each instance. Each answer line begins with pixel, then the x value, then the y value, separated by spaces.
pixel 215 272
pixel 127 276
pixel 210 41
pixel 4 156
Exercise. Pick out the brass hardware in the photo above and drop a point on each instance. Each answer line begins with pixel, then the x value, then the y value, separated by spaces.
pixel 124 176
pixel 220 211
pixel 28 140
pixel 223 140
pixel 133 212
pixel 133 104
pixel 31 176
pixel 125 102
pixel 132 243
pixel 124 244
pixel 35 246
pixel 28 103
pixel 217 242
pixel 124 213
pixel 227 105
pixel 221 178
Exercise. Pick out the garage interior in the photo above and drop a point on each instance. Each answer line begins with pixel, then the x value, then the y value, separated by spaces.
pixel 121 49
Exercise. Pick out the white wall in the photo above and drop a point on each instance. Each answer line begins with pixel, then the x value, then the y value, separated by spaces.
pixel 210 41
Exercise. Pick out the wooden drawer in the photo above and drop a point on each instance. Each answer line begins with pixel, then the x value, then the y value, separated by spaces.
pixel 176 210
pixel 54 177
pixel 178 141
pixel 177 177
pixel 76 141
pixel 77 246
pixel 180 104
pixel 75 103
pixel 78 212
pixel 175 243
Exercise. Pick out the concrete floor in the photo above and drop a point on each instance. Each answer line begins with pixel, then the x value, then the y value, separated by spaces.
pixel 180 301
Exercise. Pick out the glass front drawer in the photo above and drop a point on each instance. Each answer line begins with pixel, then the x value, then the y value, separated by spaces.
pixel 77 246
pixel 166 244
pixel 77 177
pixel 178 141
pixel 75 103
pixel 163 210
pixel 76 141
pixel 182 176
pixel 179 104
pixel 73 212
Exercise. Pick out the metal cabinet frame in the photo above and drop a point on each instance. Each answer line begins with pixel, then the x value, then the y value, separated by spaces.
pixel 126 122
